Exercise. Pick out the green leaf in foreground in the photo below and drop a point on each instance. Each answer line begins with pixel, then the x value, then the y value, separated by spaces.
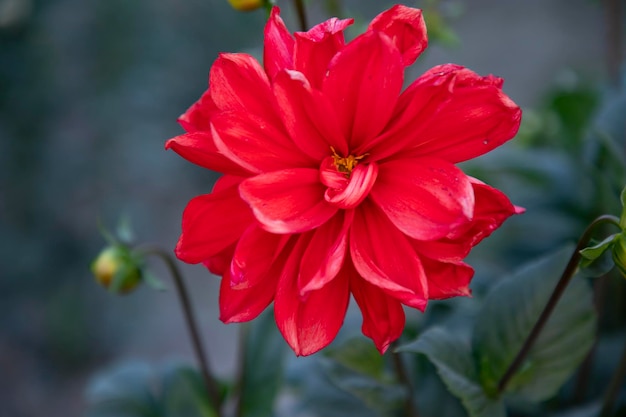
pixel 454 362
pixel 139 390
pixel 355 367
pixel 263 366
pixel 184 393
pixel 359 355
pixel 510 311
pixel 384 398
pixel 123 391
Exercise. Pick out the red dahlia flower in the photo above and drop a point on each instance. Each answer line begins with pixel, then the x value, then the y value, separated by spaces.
pixel 336 182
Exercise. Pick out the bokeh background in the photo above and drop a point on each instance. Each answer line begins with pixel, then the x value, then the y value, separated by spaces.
pixel 90 90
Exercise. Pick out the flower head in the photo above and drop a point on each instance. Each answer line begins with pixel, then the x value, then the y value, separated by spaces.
pixel 337 182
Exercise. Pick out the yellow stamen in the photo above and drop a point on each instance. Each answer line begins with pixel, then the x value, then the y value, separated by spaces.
pixel 346 164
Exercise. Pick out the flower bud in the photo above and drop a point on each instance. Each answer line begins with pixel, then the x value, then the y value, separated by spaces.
pixel 246 5
pixel 619 253
pixel 116 269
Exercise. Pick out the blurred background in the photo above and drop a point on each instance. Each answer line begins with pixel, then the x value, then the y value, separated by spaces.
pixel 90 91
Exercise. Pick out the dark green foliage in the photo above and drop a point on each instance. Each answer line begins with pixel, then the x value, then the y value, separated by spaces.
pixel 509 313
pixel 263 367
pixel 140 390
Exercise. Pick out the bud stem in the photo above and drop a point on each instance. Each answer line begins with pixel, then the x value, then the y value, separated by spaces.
pixel 301 14
pixel 196 341
pixel 566 277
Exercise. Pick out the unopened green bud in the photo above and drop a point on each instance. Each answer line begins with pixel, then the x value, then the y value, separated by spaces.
pixel 619 252
pixel 116 269
pixel 247 5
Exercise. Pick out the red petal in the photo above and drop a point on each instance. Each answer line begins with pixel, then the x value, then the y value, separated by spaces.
pixel 199 148
pixel 363 83
pixel 425 198
pixel 418 103
pixel 383 316
pixel 443 250
pixel 308 116
pixel 238 83
pixel 447 280
pixel 309 324
pixel 331 177
pixel 226 181
pixel 491 210
pixel 476 118
pixel 254 144
pixel 218 264
pixel 383 256
pixel 278 49
pixel 211 223
pixel 406 28
pixel 315 48
pixel 198 115
pixel 361 181
pixel 324 256
pixel 288 201
pixel 256 252
pixel 239 305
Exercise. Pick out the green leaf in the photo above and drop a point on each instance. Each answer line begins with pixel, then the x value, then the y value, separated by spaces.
pixel 380 395
pixel 510 311
pixel 124 230
pixel 359 355
pixel 124 391
pixel 140 390
pixel 263 366
pixel 355 367
pixel 153 282
pixel 318 394
pixel 433 398
pixel 573 106
pixel 592 253
pixel 453 359
pixel 184 393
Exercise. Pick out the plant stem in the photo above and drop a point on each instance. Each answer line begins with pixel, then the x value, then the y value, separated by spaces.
pixel 403 377
pixel 244 331
pixel 614 387
pixel 301 14
pixel 196 341
pixel 566 277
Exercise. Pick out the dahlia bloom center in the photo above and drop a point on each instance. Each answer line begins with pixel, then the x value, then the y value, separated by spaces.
pixel 349 179
pixel 345 164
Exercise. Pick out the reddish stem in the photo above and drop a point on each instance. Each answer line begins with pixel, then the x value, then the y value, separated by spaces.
pixel 566 277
